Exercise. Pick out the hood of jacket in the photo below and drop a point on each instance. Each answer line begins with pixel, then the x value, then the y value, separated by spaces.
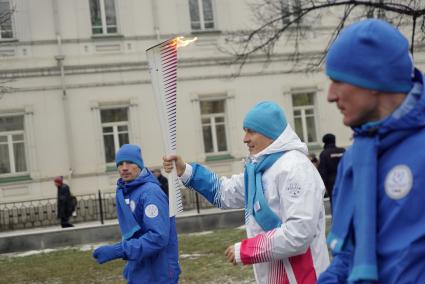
pixel 144 177
pixel 288 140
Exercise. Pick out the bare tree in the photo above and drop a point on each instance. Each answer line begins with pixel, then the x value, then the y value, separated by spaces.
pixel 6 31
pixel 277 20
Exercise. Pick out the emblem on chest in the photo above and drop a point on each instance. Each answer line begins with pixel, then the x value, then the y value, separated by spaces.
pixel 398 182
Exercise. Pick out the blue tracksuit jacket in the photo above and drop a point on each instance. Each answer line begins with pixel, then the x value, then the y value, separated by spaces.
pixel 401 197
pixel 152 253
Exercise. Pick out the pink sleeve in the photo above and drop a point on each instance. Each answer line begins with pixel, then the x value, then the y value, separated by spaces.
pixel 257 249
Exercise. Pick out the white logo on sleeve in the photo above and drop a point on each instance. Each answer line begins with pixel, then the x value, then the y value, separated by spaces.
pixel 398 182
pixel 151 211
pixel 294 190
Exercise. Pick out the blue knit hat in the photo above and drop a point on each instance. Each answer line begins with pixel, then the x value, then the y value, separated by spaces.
pixel 129 153
pixel 266 118
pixel 371 54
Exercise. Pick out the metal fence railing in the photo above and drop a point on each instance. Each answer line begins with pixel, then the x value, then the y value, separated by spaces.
pixel 90 207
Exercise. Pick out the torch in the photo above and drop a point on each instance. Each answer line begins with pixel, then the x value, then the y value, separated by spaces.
pixel 162 60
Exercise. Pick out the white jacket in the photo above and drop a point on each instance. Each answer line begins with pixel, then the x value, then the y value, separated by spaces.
pixel 296 252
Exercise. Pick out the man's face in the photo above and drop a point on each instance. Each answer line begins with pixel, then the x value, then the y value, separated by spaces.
pixel 357 105
pixel 128 171
pixel 156 173
pixel 255 141
pixel 57 184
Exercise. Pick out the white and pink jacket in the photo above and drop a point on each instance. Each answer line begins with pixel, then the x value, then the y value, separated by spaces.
pixel 295 252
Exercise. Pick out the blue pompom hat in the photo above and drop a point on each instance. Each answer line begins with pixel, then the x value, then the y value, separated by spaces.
pixel 371 54
pixel 130 153
pixel 266 118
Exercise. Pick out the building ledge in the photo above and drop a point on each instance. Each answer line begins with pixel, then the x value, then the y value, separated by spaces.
pixel 107 36
pixel 10 179
pixel 219 158
pixel 111 168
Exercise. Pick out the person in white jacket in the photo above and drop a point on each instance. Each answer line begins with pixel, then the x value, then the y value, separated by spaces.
pixel 282 193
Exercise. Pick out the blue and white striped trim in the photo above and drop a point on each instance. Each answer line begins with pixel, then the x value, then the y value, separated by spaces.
pixel 215 181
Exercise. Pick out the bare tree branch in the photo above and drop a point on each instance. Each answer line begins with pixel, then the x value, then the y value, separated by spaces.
pixel 294 19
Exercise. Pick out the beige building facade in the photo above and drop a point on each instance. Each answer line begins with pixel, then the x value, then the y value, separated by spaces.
pixel 78 86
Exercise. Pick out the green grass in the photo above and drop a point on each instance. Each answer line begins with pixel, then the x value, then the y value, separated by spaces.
pixel 64 266
pixel 201 257
pixel 210 265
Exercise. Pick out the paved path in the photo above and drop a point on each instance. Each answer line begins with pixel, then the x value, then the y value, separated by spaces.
pixel 91 224
pixel 90 232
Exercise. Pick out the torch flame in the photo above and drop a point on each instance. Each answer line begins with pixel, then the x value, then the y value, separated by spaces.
pixel 181 42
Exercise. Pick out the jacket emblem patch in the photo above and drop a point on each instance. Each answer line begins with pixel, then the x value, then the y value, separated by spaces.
pixel 398 182
pixel 151 211
pixel 294 190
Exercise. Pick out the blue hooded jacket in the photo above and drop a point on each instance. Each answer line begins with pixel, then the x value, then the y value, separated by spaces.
pixel 400 197
pixel 152 251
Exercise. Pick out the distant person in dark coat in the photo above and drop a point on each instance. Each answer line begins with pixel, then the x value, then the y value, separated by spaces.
pixel 162 180
pixel 314 160
pixel 64 202
pixel 329 159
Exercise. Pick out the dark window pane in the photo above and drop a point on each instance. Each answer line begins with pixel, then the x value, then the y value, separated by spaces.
pixel 122 128
pixel 3 139
pixel 309 111
pixel 10 123
pixel 299 128
pixel 209 107
pixel 311 129
pixel 306 99
pixel 206 120
pixel 208 144
pixel 5 20
pixel 221 138
pixel 123 138
pixel 219 119
pixel 285 11
pixel 208 14
pixel 96 19
pixel 108 129
pixel 297 112
pixel 97 30
pixel 112 29
pixel 194 14
pixel 113 115
pixel 4 159
pixel 19 153
pixel 209 25
pixel 296 7
pixel 195 26
pixel 111 19
pixel 18 137
pixel 108 141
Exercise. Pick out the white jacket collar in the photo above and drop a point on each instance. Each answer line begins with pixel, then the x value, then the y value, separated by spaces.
pixel 287 141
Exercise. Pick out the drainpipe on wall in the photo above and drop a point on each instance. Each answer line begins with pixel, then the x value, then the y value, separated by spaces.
pixel 60 57
pixel 155 19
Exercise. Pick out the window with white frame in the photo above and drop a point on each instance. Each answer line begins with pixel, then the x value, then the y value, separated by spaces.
pixel 213 118
pixel 201 15
pixel 115 131
pixel 304 116
pixel 103 17
pixel 12 145
pixel 6 30
pixel 291 8
pixel 375 11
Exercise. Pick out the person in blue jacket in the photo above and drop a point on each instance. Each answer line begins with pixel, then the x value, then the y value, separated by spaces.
pixel 149 238
pixel 378 226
